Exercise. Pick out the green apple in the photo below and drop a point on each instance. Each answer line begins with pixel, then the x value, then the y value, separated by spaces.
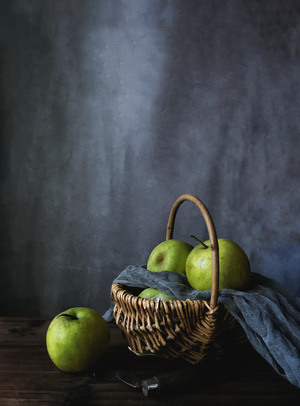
pixel 169 255
pixel 152 293
pixel 234 266
pixel 77 339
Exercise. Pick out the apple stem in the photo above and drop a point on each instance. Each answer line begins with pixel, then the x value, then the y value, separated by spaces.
pixel 67 315
pixel 200 242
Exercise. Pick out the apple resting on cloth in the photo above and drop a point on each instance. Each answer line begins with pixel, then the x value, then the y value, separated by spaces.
pixel 169 255
pixel 152 293
pixel 77 339
pixel 234 266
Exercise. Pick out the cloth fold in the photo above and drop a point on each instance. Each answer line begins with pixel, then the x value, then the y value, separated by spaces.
pixel 268 313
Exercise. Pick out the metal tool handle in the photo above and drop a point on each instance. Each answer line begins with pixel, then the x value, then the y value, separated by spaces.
pixel 169 380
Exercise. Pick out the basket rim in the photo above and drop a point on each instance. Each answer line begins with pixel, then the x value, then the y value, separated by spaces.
pixel 124 294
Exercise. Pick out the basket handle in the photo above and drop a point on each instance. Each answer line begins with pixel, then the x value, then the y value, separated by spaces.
pixel 214 246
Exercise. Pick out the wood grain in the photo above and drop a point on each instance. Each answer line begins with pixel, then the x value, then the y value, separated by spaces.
pixel 28 377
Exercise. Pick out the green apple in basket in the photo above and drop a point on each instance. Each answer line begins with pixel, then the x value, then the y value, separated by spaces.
pixel 169 255
pixel 234 266
pixel 152 293
pixel 77 339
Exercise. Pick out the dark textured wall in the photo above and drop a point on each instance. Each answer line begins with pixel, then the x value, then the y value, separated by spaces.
pixel 112 109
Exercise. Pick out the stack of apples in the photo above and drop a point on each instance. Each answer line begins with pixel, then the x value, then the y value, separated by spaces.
pixel 196 263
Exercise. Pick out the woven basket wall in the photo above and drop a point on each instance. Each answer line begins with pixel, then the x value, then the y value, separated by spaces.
pixel 190 330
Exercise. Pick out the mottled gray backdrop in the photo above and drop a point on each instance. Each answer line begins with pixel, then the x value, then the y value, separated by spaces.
pixel 111 109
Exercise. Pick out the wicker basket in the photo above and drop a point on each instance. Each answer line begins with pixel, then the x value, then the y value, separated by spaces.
pixel 190 330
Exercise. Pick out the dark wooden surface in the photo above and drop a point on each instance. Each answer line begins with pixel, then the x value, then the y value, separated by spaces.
pixel 28 376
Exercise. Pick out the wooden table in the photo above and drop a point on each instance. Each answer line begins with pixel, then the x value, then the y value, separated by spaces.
pixel 28 376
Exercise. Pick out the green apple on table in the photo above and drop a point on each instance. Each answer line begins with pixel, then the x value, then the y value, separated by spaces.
pixel 77 339
pixel 234 266
pixel 169 255
pixel 152 293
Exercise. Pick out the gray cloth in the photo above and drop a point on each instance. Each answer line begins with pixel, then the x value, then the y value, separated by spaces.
pixel 268 313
